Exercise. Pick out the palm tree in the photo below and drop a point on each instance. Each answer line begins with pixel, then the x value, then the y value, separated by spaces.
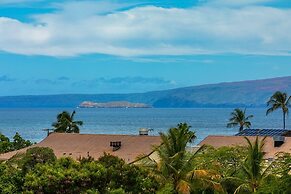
pixel 279 100
pixel 174 165
pixel 239 118
pixel 253 169
pixel 66 124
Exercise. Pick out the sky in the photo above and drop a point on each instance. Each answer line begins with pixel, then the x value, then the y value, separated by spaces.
pixel 127 46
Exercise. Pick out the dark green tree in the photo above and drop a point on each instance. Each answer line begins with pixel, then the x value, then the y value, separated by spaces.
pixel 63 176
pixel 19 142
pixel 132 178
pixel 66 123
pixel 239 118
pixel 37 155
pixel 109 175
pixel 5 144
pixel 279 100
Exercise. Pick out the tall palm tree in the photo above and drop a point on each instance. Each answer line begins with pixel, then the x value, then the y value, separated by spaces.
pixel 253 169
pixel 239 118
pixel 66 124
pixel 174 165
pixel 279 100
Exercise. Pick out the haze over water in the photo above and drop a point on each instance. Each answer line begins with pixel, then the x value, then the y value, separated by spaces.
pixel 30 122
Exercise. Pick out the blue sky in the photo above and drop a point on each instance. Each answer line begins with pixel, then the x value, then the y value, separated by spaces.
pixel 54 47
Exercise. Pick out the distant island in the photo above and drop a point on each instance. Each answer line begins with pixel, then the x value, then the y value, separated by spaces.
pixel 115 104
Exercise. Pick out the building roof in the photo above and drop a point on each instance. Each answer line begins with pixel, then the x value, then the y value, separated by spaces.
pixel 263 132
pixel 82 145
pixel 269 149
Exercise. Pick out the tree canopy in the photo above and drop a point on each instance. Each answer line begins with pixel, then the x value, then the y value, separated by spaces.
pixel 66 124
pixel 279 100
pixel 239 118
pixel 6 145
pixel 177 169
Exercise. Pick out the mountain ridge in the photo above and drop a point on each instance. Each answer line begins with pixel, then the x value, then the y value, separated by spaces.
pixel 249 93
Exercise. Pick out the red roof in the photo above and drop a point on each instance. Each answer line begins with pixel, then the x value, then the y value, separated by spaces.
pixel 82 145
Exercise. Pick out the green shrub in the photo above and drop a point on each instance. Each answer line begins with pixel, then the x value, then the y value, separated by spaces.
pixel 37 155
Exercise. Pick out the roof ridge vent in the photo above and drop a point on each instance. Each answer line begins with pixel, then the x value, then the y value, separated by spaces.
pixel 278 140
pixel 116 145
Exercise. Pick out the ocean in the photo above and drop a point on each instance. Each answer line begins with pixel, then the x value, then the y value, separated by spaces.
pixel 204 121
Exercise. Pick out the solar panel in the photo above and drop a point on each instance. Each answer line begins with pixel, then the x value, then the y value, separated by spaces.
pixel 262 132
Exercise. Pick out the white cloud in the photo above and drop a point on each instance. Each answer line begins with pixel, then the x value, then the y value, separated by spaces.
pixel 149 30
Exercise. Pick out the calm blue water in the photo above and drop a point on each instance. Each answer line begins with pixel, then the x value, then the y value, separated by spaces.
pixel 30 122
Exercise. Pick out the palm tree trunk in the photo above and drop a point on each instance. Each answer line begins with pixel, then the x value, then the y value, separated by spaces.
pixel 241 128
pixel 284 120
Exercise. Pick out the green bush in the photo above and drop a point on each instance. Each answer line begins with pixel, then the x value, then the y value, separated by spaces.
pixel 35 156
pixel 11 179
pixel 64 176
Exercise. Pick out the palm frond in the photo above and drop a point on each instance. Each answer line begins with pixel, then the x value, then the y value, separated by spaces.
pixel 249 117
pixel 239 118
pixel 265 172
pixel 272 109
pixel 242 186
pixel 288 102
pixel 231 125
pixel 183 187
pixel 248 124
pixel 65 123
pixel 249 143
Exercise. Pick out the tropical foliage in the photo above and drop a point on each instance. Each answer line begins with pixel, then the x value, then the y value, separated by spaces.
pixel 253 169
pixel 6 145
pixel 279 100
pixel 174 167
pixel 66 124
pixel 38 171
pixel 177 169
pixel 224 161
pixel 239 118
pixel 279 178
pixel 37 155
